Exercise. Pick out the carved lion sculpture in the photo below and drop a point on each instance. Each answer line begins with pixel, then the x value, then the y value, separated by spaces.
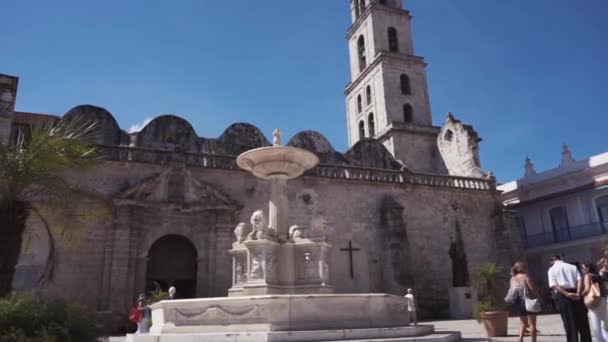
pixel 296 232
pixel 241 231
pixel 259 226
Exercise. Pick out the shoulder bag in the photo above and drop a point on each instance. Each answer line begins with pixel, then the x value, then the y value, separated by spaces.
pixel 136 315
pixel 532 305
pixel 593 298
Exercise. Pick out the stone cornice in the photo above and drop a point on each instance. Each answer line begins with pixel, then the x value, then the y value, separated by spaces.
pixel 401 127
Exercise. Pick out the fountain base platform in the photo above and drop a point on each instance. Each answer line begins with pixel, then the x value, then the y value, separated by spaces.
pixel 295 318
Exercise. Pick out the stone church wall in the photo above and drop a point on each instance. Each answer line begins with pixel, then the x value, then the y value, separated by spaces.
pixel 102 264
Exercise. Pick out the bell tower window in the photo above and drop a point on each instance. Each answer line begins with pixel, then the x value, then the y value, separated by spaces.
pixel 371 125
pixel 359 104
pixel 361 50
pixel 368 95
pixel 362 4
pixel 393 40
pixel 357 8
pixel 361 129
pixel 408 113
pixel 405 85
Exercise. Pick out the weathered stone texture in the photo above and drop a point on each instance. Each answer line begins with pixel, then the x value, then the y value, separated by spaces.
pixel 110 133
pixel 8 94
pixel 459 146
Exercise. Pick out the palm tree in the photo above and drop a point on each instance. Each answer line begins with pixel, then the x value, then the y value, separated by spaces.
pixel 29 169
pixel 487 281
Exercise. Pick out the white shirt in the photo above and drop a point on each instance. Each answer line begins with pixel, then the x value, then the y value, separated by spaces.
pixel 411 304
pixel 565 275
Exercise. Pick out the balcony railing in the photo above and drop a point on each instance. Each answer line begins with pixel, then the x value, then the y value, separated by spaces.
pixel 564 235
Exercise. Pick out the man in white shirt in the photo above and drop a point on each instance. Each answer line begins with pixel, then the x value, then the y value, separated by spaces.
pixel 565 279
pixel 411 306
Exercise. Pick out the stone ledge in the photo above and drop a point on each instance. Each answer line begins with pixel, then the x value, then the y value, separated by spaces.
pixel 409 334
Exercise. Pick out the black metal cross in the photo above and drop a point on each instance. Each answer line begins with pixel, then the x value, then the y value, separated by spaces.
pixel 350 251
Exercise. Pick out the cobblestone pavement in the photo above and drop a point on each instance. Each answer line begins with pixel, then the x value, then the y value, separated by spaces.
pixel 550 326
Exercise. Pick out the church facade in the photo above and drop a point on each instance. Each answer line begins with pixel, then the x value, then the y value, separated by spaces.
pixel 162 203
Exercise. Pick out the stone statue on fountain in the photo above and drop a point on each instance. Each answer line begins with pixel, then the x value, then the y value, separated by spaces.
pixel 260 245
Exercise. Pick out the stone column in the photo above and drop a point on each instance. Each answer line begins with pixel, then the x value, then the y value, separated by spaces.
pixel 277 207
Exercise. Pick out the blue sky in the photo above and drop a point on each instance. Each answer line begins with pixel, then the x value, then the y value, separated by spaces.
pixel 529 75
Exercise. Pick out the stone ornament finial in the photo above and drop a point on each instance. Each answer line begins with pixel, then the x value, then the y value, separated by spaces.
pixel 449 117
pixel 566 156
pixel 276 141
pixel 529 168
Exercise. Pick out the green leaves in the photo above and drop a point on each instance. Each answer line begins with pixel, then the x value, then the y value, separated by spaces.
pixel 23 315
pixel 487 281
pixel 31 165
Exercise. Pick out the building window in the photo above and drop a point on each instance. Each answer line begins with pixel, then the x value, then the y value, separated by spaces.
pixel 448 135
pixel 357 11
pixel 361 130
pixel 368 95
pixel 361 49
pixel 559 223
pixel 359 104
pixel 393 41
pixel 405 85
pixel 523 232
pixel 408 113
pixel 602 210
pixel 371 125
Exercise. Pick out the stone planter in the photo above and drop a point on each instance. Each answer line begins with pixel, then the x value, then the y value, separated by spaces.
pixel 495 323
pixel 462 302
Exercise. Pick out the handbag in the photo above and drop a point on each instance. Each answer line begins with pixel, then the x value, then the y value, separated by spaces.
pixel 532 305
pixel 136 315
pixel 593 298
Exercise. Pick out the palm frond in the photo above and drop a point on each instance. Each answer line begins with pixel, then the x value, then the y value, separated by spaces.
pixel 32 163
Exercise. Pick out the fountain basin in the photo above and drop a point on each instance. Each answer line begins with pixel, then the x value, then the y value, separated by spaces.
pixel 277 162
pixel 278 313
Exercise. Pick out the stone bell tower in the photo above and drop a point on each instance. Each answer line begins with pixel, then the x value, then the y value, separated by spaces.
pixel 387 97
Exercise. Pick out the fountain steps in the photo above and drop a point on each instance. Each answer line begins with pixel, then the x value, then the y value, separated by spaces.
pixel 403 334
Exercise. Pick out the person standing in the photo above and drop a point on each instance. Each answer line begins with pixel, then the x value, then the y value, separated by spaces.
pixel 172 291
pixel 143 326
pixel 523 287
pixel 598 313
pixel 566 281
pixel 411 306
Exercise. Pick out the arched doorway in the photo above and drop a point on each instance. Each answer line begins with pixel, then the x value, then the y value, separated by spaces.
pixel 172 261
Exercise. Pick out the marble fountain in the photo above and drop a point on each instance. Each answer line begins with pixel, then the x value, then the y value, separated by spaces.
pixel 281 280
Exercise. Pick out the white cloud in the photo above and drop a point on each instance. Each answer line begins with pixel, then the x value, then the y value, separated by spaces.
pixel 139 126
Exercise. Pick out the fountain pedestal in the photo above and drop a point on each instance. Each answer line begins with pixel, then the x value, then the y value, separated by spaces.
pixel 303 268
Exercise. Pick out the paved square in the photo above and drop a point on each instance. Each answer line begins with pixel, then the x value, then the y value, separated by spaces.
pixel 550 326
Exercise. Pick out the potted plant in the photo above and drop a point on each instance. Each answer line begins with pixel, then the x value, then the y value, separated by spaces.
pixel 491 310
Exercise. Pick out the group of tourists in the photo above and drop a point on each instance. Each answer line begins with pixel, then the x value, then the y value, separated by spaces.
pixel 579 294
